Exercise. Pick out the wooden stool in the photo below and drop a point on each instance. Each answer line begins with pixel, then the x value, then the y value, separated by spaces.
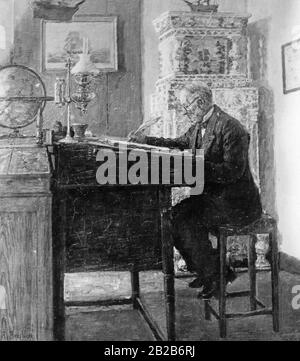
pixel 264 225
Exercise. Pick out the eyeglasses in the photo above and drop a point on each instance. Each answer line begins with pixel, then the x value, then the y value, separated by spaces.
pixel 187 107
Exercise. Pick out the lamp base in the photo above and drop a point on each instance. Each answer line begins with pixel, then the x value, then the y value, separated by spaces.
pixel 68 140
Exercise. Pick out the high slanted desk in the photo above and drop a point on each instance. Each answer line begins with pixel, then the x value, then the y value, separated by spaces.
pixel 109 227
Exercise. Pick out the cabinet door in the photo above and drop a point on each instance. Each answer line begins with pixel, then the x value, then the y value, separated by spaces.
pixel 25 269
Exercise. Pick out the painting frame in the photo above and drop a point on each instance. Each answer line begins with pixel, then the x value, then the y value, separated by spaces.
pixel 51 37
pixel 291 78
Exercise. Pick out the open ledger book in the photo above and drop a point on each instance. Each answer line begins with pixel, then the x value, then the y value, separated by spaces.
pixel 117 142
pixel 114 141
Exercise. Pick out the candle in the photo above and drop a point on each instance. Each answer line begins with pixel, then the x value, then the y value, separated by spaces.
pixel 85 46
pixel 57 91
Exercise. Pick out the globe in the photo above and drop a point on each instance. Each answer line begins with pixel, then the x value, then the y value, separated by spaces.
pixel 22 96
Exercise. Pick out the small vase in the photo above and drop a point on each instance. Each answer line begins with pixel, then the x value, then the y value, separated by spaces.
pixel 79 131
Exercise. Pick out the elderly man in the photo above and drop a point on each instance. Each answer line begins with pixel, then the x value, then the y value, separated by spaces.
pixel 230 194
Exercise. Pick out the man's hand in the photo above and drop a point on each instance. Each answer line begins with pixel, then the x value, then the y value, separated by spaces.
pixel 136 137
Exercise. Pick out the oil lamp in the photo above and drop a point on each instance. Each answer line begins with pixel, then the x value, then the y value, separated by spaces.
pixel 83 72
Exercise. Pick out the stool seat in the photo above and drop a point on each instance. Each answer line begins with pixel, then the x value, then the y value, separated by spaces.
pixel 263 225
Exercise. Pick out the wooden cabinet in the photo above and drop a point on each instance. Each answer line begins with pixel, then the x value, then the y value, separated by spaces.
pixel 25 243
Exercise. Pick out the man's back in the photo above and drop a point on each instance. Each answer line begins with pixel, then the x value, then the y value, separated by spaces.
pixel 227 172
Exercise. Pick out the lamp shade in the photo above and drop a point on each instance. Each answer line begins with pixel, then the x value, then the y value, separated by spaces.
pixel 85 66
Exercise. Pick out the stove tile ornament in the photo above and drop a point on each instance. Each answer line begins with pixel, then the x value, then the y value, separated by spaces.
pixel 202 56
pixel 201 43
pixel 192 23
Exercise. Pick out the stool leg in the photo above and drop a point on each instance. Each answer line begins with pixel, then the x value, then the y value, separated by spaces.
pixel 275 280
pixel 135 287
pixel 168 271
pixel 252 272
pixel 207 310
pixel 222 300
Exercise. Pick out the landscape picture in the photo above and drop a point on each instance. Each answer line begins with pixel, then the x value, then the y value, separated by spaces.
pixel 64 40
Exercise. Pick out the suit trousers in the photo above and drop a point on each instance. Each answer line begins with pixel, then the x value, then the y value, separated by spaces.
pixel 190 223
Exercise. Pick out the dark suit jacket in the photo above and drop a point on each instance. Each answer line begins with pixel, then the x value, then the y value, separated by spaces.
pixel 228 179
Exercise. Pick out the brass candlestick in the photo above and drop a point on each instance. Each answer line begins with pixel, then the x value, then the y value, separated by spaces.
pixel 66 99
pixel 83 72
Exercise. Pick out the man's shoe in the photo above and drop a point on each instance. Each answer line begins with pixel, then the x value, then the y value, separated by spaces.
pixel 209 290
pixel 212 288
pixel 231 276
pixel 196 283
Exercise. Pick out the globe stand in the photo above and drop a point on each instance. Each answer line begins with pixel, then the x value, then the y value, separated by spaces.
pixel 15 134
pixel 17 92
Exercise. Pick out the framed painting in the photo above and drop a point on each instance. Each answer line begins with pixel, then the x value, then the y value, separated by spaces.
pixel 61 40
pixel 291 66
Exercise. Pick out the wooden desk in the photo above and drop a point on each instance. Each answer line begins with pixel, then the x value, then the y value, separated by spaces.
pixel 75 174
